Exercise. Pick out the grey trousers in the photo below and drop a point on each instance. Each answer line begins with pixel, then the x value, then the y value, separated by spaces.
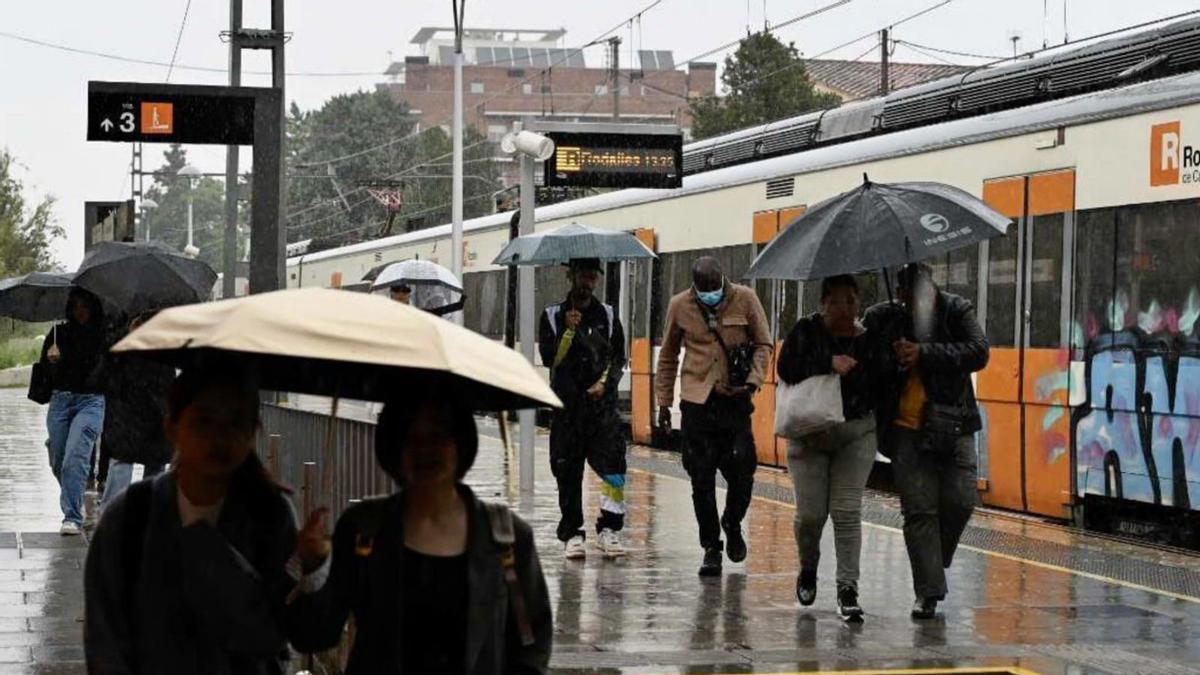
pixel 829 472
pixel 938 492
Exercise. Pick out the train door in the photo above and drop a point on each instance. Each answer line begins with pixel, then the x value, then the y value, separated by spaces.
pixel 779 299
pixel 638 302
pixel 1023 298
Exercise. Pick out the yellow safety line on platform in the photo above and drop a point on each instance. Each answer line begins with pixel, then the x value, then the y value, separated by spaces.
pixel 995 554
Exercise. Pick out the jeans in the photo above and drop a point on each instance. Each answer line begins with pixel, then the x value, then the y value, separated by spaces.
pixel 938 491
pixel 120 475
pixel 829 472
pixel 718 436
pixel 74 422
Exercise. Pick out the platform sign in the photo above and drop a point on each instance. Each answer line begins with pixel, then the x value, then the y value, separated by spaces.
pixel 619 156
pixel 107 221
pixel 161 113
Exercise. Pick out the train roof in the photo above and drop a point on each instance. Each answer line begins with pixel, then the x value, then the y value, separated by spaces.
pixel 1132 99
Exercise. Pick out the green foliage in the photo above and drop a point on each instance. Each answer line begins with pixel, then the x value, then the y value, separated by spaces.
pixel 168 223
pixel 359 123
pixel 20 351
pixel 25 234
pixel 764 81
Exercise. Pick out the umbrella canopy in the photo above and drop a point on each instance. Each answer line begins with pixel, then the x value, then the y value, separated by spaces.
pixel 570 242
pixel 416 273
pixel 35 297
pixel 331 343
pixel 136 277
pixel 876 226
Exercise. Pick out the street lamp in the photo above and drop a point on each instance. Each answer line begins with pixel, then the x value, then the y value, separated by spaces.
pixel 532 148
pixel 192 174
pixel 148 205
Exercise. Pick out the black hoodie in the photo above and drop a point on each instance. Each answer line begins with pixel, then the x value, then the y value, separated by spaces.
pixel 82 347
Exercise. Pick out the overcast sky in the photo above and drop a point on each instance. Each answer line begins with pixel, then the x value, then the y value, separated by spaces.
pixel 43 90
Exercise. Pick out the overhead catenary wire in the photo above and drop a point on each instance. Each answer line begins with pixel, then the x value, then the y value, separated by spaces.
pixel 950 52
pixel 782 24
pixel 178 39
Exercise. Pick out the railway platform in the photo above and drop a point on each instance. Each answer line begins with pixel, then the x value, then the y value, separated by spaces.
pixel 1025 597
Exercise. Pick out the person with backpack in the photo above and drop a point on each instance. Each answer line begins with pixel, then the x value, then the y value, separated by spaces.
pixel 437 580
pixel 186 573
pixel 73 359
pixel 723 330
pixel 582 343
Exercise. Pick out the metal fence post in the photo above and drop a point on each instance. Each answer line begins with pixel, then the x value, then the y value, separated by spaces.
pixel 273 445
pixel 306 489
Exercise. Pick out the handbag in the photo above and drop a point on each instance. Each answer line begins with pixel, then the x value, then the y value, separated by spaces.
pixel 41 387
pixel 811 405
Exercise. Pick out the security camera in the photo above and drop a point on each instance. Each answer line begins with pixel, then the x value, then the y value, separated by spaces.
pixel 528 143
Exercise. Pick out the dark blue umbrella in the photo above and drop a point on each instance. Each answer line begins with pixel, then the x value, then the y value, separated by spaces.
pixel 35 297
pixel 572 242
pixel 877 226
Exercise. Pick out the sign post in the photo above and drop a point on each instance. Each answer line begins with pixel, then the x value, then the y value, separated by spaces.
pixel 125 112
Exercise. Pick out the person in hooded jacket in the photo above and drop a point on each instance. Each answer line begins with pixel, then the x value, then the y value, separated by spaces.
pixel 73 352
pixel 136 408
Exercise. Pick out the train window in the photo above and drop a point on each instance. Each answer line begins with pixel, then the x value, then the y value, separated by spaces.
pixel 1002 290
pixel 1045 281
pixel 957 272
pixel 1095 235
pixel 483 307
pixel 1158 267
pixel 551 286
pixel 677 271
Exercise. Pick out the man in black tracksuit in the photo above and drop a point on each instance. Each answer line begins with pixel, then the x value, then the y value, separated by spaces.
pixel 927 418
pixel 583 345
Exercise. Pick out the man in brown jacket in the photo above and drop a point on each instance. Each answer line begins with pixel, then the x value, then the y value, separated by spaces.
pixel 717 385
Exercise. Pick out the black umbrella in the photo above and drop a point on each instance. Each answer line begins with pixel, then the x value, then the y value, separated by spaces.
pixel 136 277
pixel 35 297
pixel 876 226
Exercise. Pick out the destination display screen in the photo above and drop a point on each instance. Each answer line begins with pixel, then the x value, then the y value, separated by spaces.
pixel 615 160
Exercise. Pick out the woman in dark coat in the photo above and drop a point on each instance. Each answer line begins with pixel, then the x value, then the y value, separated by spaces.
pixel 186 573
pixel 437 580
pixel 136 407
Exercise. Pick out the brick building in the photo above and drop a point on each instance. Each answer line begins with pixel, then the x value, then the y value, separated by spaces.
pixel 511 73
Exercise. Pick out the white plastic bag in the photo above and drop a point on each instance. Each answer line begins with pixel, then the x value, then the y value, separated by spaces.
pixel 812 405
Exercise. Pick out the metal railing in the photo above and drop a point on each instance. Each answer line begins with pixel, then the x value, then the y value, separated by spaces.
pixel 293 446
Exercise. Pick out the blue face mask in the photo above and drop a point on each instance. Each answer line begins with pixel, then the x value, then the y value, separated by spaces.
pixel 711 298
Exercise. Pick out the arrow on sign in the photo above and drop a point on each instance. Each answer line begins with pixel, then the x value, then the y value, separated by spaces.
pixel 106 125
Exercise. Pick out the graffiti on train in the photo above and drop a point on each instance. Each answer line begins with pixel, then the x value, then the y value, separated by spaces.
pixel 1137 435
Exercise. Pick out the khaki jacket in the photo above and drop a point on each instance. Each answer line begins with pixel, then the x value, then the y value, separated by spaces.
pixel 741 318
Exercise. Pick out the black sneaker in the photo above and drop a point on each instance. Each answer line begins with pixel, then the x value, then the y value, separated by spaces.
pixel 735 544
pixel 711 567
pixel 847 603
pixel 924 608
pixel 806 587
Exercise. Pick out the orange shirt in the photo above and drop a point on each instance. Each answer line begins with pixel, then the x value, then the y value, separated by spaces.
pixel 912 402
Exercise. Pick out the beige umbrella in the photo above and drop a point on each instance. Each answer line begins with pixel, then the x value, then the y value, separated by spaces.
pixel 351 345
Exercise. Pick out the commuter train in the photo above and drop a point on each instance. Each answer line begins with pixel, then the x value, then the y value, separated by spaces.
pixel 1091 398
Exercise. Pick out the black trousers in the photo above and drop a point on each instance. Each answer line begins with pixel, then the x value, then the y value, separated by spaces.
pixel 588 433
pixel 718 436
pixel 938 491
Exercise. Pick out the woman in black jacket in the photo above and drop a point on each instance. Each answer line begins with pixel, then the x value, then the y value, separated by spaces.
pixel 830 467
pixel 438 581
pixel 73 353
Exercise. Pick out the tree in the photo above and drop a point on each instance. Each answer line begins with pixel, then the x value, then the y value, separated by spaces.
pixel 369 136
pixel 168 223
pixel 764 81
pixel 25 235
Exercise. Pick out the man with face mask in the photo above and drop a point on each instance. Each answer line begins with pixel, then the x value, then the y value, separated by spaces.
pixel 727 345
pixel 583 345
pixel 927 418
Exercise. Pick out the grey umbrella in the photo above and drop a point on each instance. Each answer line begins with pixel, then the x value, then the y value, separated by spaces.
pixel 35 297
pixel 136 277
pixel 877 226
pixel 570 242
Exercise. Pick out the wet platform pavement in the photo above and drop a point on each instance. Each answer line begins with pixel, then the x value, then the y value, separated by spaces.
pixel 1025 598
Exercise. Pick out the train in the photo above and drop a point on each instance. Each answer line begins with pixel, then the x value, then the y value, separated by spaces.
pixel 1091 303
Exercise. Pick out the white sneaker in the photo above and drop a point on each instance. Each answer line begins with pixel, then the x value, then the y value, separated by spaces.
pixel 609 543
pixel 69 529
pixel 575 549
